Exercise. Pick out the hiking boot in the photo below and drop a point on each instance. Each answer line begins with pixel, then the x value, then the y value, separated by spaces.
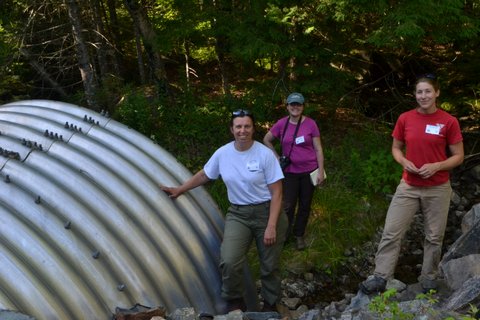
pixel 300 243
pixel 236 304
pixel 373 284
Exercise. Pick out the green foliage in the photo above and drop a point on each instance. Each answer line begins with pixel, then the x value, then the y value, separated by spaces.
pixel 414 23
pixel 364 161
pixel 137 112
pixel 386 308
pixel 333 227
pixel 380 172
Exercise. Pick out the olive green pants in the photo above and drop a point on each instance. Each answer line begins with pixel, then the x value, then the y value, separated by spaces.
pixel 434 203
pixel 244 224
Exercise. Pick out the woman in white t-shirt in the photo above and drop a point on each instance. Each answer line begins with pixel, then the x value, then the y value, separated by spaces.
pixel 253 178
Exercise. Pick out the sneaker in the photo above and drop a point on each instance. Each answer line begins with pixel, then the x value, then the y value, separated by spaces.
pixel 300 243
pixel 236 304
pixel 373 284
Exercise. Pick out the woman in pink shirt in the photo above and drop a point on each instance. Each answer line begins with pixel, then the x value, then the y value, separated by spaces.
pixel 300 143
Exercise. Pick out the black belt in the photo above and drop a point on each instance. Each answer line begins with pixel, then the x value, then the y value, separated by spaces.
pixel 250 205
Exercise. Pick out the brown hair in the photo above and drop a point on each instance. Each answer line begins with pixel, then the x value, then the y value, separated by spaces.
pixel 428 78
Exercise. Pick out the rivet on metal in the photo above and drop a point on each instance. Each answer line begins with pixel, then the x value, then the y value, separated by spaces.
pixel 67 225
pixel 96 254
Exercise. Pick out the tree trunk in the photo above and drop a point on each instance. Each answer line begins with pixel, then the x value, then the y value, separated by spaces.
pixel 113 27
pixel 186 47
pixel 85 66
pixel 220 49
pixel 100 43
pixel 141 66
pixel 156 64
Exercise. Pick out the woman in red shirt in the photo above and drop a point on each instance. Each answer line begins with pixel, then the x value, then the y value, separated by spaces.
pixel 421 138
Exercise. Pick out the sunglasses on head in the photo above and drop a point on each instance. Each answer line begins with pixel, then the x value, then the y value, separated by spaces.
pixel 431 76
pixel 241 113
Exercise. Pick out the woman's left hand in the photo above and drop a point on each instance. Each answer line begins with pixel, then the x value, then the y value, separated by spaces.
pixel 270 236
pixel 428 170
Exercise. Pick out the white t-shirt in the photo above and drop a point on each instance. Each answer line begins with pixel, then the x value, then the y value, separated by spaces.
pixel 246 174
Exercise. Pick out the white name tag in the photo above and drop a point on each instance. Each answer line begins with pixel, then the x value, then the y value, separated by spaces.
pixel 300 140
pixel 430 129
pixel 253 165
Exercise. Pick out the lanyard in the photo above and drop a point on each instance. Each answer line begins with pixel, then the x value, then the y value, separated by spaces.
pixel 294 135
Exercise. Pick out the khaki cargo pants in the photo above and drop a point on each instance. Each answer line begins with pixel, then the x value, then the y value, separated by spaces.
pixel 434 203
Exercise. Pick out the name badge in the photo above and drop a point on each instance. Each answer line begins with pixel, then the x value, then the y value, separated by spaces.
pixel 300 140
pixel 253 165
pixel 430 129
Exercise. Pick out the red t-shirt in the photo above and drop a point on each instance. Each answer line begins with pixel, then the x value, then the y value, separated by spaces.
pixel 426 138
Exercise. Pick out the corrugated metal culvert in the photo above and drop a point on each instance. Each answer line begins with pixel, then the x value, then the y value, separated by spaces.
pixel 84 227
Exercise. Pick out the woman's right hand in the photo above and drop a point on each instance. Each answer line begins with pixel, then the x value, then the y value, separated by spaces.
pixel 172 192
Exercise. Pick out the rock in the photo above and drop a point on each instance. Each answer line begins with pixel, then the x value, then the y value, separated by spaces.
pixel 291 303
pixel 471 218
pixel 310 315
pixel 469 293
pixel 139 312
pixel 398 285
pixel 459 270
pixel 468 243
pixel 361 300
pixel 183 314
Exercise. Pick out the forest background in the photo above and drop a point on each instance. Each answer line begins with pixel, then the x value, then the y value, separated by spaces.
pixel 175 69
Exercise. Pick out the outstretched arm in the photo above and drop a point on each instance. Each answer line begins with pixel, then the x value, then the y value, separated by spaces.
pixel 198 179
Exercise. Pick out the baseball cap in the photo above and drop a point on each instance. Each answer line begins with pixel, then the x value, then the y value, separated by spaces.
pixel 295 97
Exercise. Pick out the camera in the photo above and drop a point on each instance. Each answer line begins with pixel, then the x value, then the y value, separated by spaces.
pixel 284 162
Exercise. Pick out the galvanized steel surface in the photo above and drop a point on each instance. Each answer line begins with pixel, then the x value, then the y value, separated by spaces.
pixel 84 227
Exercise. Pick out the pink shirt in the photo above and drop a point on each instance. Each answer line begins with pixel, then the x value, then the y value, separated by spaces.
pixel 426 138
pixel 303 156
